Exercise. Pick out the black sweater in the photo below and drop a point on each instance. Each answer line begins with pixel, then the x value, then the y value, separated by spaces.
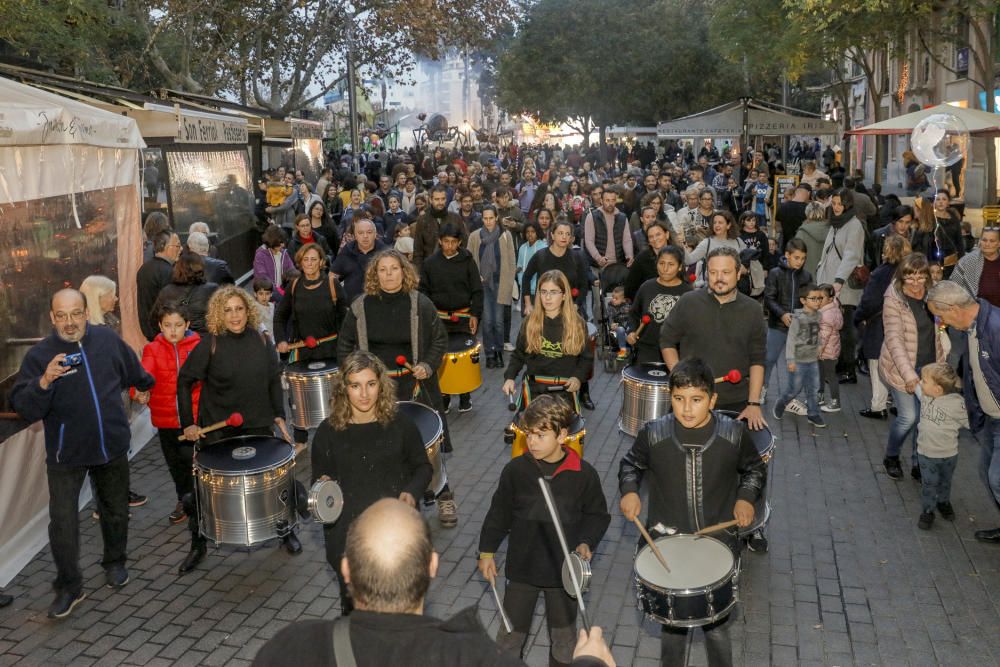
pixel 518 510
pixel 240 375
pixel 551 360
pixel 193 298
pixel 387 317
pixel 642 269
pixel 453 282
pixel 153 275
pixel 310 311
pixel 572 264
pixel 657 301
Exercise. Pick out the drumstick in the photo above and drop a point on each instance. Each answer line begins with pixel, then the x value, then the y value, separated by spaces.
pixel 234 420
pixel 510 403
pixel 652 544
pixel 733 377
pixel 309 342
pixel 717 527
pixel 401 361
pixel 503 613
pixel 642 325
pixel 551 504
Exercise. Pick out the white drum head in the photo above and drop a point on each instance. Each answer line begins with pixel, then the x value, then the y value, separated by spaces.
pixel 326 501
pixel 694 562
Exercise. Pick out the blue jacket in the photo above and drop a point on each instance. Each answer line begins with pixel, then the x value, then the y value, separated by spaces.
pixel 988 330
pixel 83 411
pixel 868 314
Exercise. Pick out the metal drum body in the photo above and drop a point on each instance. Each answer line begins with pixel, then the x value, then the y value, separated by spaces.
pixel 460 371
pixel 701 587
pixel 581 569
pixel 310 385
pixel 645 396
pixel 245 489
pixel 432 433
pixel 577 432
pixel 764 441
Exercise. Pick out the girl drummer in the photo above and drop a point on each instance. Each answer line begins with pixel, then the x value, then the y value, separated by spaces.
pixel 368 447
pixel 397 323
pixel 552 343
pixel 313 309
pixel 655 299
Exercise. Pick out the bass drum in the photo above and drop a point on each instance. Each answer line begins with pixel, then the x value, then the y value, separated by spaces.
pixel 764 441
pixel 645 396
pixel 432 433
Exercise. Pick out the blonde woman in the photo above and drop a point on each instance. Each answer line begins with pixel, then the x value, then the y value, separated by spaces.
pixel 552 344
pixel 102 298
pixel 369 448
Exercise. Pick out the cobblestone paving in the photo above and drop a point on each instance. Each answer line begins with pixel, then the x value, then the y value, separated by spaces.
pixel 848 580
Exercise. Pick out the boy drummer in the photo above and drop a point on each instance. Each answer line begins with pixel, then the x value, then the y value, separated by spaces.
pixel 704 469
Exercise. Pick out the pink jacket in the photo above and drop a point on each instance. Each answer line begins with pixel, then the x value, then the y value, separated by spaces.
pixel 830 322
pixel 897 362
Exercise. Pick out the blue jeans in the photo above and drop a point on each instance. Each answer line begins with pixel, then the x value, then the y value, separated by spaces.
pixel 989 464
pixel 775 351
pixel 111 483
pixel 493 319
pixel 805 378
pixel 621 333
pixel 905 423
pixel 935 480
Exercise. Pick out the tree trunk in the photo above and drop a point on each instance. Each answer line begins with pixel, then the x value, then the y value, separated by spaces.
pixel 602 131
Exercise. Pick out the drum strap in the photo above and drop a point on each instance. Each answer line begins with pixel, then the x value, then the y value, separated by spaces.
pixel 294 355
pixel 343 652
pixel 546 380
pixel 455 315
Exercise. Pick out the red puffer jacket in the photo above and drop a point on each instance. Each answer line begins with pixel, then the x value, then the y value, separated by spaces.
pixel 163 361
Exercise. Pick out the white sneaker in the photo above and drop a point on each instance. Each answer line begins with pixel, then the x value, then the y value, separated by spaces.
pixel 832 405
pixel 796 407
pixel 508 347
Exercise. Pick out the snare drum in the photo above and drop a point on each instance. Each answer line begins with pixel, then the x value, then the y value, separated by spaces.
pixel 577 432
pixel 460 371
pixel 244 490
pixel 764 441
pixel 645 396
pixel 581 569
pixel 309 386
pixel 326 501
pixel 700 588
pixel 432 433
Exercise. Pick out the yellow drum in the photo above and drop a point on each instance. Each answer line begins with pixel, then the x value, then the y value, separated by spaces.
pixel 460 371
pixel 518 439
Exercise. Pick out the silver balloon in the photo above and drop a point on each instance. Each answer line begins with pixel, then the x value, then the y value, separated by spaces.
pixel 940 140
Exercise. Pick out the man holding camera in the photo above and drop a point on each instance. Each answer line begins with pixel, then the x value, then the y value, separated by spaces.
pixel 72 381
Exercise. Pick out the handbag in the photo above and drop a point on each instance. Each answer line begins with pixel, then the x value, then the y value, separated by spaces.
pixel 859 275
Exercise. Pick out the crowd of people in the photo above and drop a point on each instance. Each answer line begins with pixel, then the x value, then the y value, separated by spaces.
pixel 683 261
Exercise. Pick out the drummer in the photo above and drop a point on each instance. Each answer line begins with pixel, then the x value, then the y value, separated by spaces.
pixel 552 344
pixel 237 367
pixel 450 278
pixel 725 481
pixel 393 321
pixel 313 307
pixel 534 555
pixel 369 448
pixel 656 298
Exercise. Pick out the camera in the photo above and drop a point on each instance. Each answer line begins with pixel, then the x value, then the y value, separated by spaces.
pixel 74 359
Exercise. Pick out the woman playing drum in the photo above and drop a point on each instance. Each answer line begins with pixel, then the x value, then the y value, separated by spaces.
pixel 368 447
pixel 656 298
pixel 552 344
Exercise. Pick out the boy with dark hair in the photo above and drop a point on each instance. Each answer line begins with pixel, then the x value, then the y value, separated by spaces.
pixel 703 469
pixel 534 555
pixel 802 356
pixel 781 296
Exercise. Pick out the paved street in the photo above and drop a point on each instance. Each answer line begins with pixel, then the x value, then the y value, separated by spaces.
pixel 849 578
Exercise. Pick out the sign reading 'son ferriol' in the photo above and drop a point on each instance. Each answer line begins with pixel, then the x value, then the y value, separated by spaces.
pixel 196 130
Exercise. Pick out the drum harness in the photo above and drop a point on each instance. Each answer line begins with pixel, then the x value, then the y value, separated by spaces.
pixel 358 308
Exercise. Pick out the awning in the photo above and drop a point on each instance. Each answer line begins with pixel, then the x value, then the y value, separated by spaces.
pixel 980 123
pixel 727 121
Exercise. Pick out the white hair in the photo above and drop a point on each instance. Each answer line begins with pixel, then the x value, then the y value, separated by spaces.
pixel 950 293
pixel 198 242
pixel 199 227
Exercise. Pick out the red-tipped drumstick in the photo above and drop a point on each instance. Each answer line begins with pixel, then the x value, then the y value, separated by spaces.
pixel 235 420
pixel 309 342
pixel 733 377
pixel 454 317
pixel 646 319
pixel 574 292
pixel 401 361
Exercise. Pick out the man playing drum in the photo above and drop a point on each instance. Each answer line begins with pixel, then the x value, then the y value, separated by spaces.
pixel 694 484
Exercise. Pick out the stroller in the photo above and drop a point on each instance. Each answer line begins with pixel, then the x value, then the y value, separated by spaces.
pixel 607 342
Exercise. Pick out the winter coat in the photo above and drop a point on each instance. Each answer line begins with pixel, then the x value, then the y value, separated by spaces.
pixel 508 265
pixel 813 234
pixel 830 322
pixel 163 360
pixel 988 333
pixel 898 359
pixel 350 265
pixel 843 251
pixel 263 266
pixel 868 314
pixel 781 292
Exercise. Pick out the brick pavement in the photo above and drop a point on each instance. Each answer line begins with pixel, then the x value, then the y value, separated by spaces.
pixel 848 580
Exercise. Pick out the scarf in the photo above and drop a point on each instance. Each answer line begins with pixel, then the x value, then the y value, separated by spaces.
pixel 838 221
pixel 489 254
pixel 438 215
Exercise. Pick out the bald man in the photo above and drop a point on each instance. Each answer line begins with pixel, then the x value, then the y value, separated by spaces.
pixel 388 565
pixel 72 381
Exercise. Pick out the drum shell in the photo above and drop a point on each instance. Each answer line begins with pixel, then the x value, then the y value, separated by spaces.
pixel 460 372
pixel 644 397
pixel 583 571
pixel 309 392
pixel 764 441
pixel 432 433
pixel 244 508
pixel 578 431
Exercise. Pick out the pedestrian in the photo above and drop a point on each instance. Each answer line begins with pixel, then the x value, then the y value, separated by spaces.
pixel 942 414
pixel 781 293
pixel 830 322
pixel 802 348
pixel 492 248
pixel 154 275
pixel 656 298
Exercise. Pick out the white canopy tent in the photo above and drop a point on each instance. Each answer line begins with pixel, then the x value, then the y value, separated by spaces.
pixel 979 123
pixel 727 120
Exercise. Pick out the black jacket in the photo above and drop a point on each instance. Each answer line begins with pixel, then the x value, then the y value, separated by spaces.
pixel 193 298
pixel 642 269
pixel 153 276
pixel 781 292
pixel 518 511
pixel 217 271
pixel 296 242
pixel 868 314
pixel 350 266
pixel 573 264
pixel 453 283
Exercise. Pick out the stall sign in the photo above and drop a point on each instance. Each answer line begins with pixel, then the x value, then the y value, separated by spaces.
pixel 782 183
pixel 212 131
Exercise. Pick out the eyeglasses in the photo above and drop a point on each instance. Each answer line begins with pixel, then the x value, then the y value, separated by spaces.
pixel 550 292
pixel 915 279
pixel 74 315
pixel 813 298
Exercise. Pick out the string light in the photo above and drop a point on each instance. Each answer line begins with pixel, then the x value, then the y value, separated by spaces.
pixel 904 82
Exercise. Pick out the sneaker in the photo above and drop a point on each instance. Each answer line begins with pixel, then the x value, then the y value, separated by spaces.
pixel 778 410
pixel 136 500
pixel 874 414
pixel 817 421
pixel 892 467
pixel 447 510
pixel 622 354
pixel 797 407
pixel 116 576
pixel 915 473
pixel 446 400
pixel 508 347
pixel 464 404
pixel 820 398
pixel 833 405
pixel 947 511
pixel 64 603
pixel 757 542
pixel 925 521
pixel 178 514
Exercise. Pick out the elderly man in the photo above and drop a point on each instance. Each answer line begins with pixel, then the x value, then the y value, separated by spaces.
pixel 388 565
pixel 350 264
pixel 72 381
pixel 981 322
pixel 216 270
pixel 154 275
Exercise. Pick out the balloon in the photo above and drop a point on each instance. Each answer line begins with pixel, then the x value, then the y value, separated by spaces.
pixel 939 140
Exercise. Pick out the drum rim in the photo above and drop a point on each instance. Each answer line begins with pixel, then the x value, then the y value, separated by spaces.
pixel 694 622
pixel 586 573
pixel 466 351
pixel 687 592
pixel 311 499
pixel 440 428
pixel 633 376
pixel 290 370
pixel 289 457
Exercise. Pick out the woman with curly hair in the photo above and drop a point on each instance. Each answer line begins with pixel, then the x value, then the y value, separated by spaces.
pixel 394 321
pixel 237 367
pixel 369 448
